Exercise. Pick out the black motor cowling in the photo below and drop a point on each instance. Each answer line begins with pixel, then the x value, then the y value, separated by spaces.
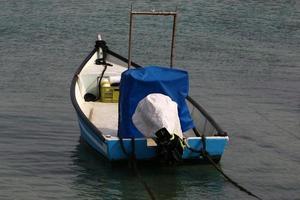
pixel 169 146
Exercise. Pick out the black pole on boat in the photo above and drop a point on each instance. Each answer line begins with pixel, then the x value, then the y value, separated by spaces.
pixel 173 38
pixel 102 50
pixel 129 39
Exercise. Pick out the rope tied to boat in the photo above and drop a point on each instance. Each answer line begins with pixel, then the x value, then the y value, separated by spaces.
pixel 133 164
pixel 137 172
pixel 206 156
pixel 101 44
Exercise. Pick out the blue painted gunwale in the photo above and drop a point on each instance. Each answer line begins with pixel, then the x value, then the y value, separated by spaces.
pixel 111 147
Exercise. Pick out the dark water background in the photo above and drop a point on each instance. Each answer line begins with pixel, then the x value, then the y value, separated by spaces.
pixel 244 64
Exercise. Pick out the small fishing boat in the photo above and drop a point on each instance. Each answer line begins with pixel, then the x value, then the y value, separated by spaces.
pixel 99 94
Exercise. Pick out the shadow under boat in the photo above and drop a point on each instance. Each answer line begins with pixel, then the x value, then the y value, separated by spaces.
pixel 98 177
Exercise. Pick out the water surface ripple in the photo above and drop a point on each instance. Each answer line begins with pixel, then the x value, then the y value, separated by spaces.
pixel 244 65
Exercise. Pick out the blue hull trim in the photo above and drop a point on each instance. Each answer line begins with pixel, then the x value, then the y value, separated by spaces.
pixel 91 138
pixel 111 148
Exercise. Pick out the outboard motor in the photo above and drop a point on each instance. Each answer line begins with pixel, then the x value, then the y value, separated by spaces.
pixel 153 98
pixel 169 147
pixel 156 116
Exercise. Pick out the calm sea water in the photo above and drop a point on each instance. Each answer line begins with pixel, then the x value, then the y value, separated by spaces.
pixel 244 63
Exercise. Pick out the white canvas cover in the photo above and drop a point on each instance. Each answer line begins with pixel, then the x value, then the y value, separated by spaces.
pixel 154 112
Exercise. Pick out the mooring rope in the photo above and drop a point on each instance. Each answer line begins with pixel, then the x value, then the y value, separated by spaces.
pixel 228 178
pixel 274 124
pixel 202 151
pixel 206 155
pixel 133 163
pixel 137 172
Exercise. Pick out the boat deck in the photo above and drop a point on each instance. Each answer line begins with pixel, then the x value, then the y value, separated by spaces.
pixel 105 117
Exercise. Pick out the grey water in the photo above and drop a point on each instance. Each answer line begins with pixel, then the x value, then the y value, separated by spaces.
pixel 243 59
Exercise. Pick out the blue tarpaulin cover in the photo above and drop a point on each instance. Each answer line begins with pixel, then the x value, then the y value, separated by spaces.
pixel 138 83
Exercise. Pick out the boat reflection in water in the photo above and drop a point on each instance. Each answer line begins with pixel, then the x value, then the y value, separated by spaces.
pixel 100 179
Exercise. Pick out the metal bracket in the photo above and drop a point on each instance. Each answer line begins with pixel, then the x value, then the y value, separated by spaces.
pixel 152 13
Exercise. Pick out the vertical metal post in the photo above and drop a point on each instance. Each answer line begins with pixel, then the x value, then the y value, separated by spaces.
pixel 132 13
pixel 173 40
pixel 129 40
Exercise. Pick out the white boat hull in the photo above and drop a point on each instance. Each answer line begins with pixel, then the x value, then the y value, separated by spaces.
pixel 98 122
